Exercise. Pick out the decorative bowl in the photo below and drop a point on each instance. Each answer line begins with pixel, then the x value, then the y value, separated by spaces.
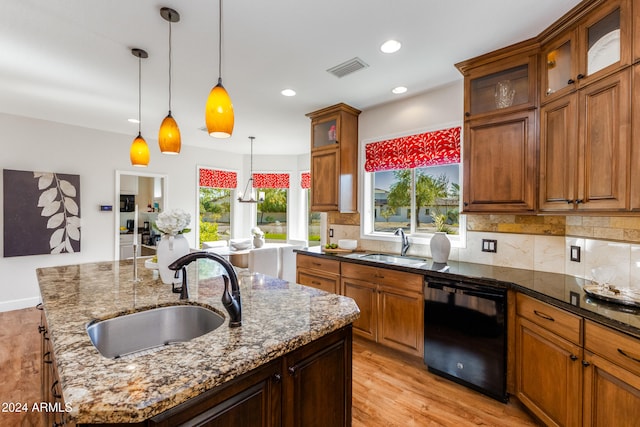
pixel 239 245
pixel 349 244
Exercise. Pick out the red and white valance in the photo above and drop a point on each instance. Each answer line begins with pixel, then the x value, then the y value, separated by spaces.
pixel 216 178
pixel 305 180
pixel 270 180
pixel 439 147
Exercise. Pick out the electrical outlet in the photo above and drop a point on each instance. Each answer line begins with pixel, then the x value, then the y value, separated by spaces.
pixel 331 232
pixel 575 253
pixel 489 245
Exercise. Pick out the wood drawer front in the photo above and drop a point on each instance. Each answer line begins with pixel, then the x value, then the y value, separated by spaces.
pixel 556 320
pixel 383 276
pixel 326 283
pixel 621 349
pixel 317 263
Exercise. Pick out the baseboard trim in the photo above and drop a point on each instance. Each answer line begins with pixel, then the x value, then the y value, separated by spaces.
pixel 19 304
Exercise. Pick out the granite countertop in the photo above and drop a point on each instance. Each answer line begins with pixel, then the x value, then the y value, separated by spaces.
pixel 277 317
pixel 558 289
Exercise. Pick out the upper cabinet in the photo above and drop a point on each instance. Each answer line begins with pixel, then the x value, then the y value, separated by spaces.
pixel 549 122
pixel 500 130
pixel 334 159
pixel 587 48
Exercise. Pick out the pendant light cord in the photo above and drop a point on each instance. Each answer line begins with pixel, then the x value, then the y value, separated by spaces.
pixel 139 95
pixel 169 62
pixel 220 41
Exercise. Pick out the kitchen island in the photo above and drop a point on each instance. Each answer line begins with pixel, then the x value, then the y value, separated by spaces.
pixel 282 322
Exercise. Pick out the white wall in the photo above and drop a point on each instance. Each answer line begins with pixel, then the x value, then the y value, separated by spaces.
pixel 36 145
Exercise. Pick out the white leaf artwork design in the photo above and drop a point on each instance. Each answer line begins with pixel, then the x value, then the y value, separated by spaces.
pixel 67 188
pixel 46 178
pixel 56 238
pixel 47 197
pixel 51 208
pixel 73 232
pixel 65 223
pixel 55 220
pixel 71 206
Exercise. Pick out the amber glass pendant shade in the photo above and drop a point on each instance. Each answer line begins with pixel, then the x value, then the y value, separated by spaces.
pixel 139 152
pixel 169 136
pixel 219 112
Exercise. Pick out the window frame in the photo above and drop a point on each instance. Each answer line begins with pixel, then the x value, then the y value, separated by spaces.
pixel 367 191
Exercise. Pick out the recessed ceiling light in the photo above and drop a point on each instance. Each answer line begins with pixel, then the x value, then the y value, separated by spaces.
pixel 399 90
pixel 390 46
pixel 133 120
pixel 288 92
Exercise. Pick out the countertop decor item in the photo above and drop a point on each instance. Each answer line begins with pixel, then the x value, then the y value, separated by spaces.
pixel 349 244
pixel 258 237
pixel 440 247
pixel 172 225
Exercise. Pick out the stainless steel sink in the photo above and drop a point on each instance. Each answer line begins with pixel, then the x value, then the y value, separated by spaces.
pixel 132 333
pixel 391 259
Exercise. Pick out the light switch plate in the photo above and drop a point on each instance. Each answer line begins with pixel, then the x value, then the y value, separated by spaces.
pixel 489 245
pixel 575 253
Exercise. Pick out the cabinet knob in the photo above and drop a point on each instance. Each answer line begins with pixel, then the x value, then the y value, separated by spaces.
pixel 466 203
pixel 585 363
pixel 580 76
pixel 573 357
pixel 292 370
pixel 579 201
pixel 467 114
pixel 570 202
pixel 570 81
pixel 277 377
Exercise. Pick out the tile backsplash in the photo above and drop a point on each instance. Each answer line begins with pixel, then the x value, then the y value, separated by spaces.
pixel 540 243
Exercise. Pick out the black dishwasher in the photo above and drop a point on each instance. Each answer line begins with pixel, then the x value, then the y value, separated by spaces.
pixel 465 333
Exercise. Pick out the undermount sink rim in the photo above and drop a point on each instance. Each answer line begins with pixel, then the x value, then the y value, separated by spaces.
pixel 214 316
pixel 407 261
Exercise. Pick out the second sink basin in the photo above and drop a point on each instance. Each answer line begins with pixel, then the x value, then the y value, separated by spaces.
pixel 143 330
pixel 391 259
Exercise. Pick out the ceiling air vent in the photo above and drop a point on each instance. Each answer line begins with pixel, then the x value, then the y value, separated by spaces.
pixel 347 67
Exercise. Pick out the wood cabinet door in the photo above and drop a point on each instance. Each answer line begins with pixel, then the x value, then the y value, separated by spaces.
pixel 251 400
pixel 317 383
pixel 401 320
pixel 365 295
pixel 611 394
pixel 558 155
pixel 548 375
pixel 635 148
pixel 325 171
pixel 500 163
pixel 604 143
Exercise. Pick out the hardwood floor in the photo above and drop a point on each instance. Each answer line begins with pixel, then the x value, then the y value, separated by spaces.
pixel 389 389
pixel 20 366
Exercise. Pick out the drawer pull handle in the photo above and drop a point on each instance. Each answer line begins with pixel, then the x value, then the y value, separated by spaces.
pixel 317 264
pixel 622 352
pixel 544 316
pixel 315 282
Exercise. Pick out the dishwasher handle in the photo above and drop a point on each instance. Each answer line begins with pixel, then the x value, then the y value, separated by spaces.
pixel 465 288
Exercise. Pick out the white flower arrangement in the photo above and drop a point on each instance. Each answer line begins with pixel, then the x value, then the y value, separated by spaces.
pixel 256 232
pixel 173 222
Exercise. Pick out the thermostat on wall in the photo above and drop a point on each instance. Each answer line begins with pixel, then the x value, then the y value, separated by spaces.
pixel 106 208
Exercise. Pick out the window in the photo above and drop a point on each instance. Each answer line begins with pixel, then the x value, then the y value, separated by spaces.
pixel 434 191
pixel 271 212
pixel 414 183
pixel 214 207
pixel 313 218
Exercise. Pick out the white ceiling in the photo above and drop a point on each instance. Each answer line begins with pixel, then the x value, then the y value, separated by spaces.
pixel 69 61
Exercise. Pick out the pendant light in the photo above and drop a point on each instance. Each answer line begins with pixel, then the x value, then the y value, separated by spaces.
pixel 248 196
pixel 218 113
pixel 139 152
pixel 169 133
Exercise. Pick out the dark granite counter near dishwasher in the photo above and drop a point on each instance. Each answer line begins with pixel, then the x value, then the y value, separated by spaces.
pixel 553 288
pixel 278 317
